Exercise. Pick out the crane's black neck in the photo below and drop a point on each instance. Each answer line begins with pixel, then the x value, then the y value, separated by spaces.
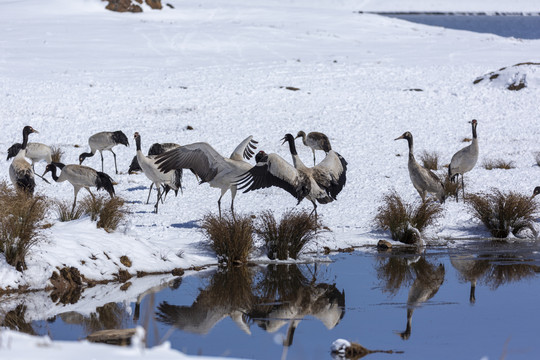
pixel 25 139
pixel 411 144
pixel 292 146
pixel 53 171
pixel 474 130
pixel 84 156
pixel 138 143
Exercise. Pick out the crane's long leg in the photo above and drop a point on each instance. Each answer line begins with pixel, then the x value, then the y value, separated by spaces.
pixel 101 153
pixel 313 156
pixel 149 192
pixel 92 195
pixel 75 191
pixel 158 198
pixel 233 194
pixel 314 209
pixel 463 186
pixel 115 167
pixel 223 191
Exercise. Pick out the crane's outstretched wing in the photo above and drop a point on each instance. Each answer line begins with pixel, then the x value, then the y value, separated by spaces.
pixel 201 158
pixel 244 150
pixel 157 148
pixel 272 170
pixel 331 173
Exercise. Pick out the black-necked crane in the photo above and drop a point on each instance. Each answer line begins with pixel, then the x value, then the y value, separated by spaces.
pixel 155 149
pixel 464 160
pixel 321 183
pixel 423 180
pixel 36 152
pixel 81 177
pixel 104 141
pixel 210 166
pixel 20 170
pixel 169 180
pixel 316 141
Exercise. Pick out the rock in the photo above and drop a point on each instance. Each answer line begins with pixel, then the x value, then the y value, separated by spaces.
pixel 67 285
pixel 515 77
pixel 123 6
pixel 112 336
pixel 154 4
pixel 132 5
pixel 384 245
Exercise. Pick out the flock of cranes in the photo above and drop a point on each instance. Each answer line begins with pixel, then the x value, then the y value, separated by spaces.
pixel 164 164
pixel 425 181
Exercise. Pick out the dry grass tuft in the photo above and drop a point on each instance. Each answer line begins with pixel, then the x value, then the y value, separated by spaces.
pixel 498 164
pixel 231 236
pixel 430 160
pixel 406 221
pixel 57 154
pixel 107 213
pixel 92 206
pixel 287 239
pixel 111 214
pixel 63 209
pixel 503 213
pixel 20 215
pixel 451 188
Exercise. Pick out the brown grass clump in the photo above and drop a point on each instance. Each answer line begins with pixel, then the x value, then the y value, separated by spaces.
pixel 107 213
pixel 231 236
pixel 498 164
pixel 287 239
pixel 20 215
pixel 111 214
pixel 406 221
pixel 451 188
pixel 503 213
pixel 56 154
pixel 430 160
pixel 63 209
pixel 92 206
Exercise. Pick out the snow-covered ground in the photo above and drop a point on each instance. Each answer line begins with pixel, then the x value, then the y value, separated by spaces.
pixel 70 69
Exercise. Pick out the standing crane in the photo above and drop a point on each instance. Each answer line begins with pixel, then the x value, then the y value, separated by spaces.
pixel 316 141
pixel 34 151
pixel 20 171
pixel 169 180
pixel 210 166
pixel 81 177
pixel 321 183
pixel 464 160
pixel 424 180
pixel 103 141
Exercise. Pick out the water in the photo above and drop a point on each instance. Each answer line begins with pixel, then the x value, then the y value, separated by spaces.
pixel 523 27
pixel 421 304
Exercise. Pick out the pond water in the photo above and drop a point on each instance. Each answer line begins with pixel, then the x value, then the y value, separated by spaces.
pixel 523 27
pixel 477 300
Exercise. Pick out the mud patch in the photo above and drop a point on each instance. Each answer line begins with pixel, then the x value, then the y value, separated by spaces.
pixel 67 284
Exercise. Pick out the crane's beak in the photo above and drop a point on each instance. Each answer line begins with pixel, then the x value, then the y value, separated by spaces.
pixel 398 138
pixel 284 140
pixel 35 131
